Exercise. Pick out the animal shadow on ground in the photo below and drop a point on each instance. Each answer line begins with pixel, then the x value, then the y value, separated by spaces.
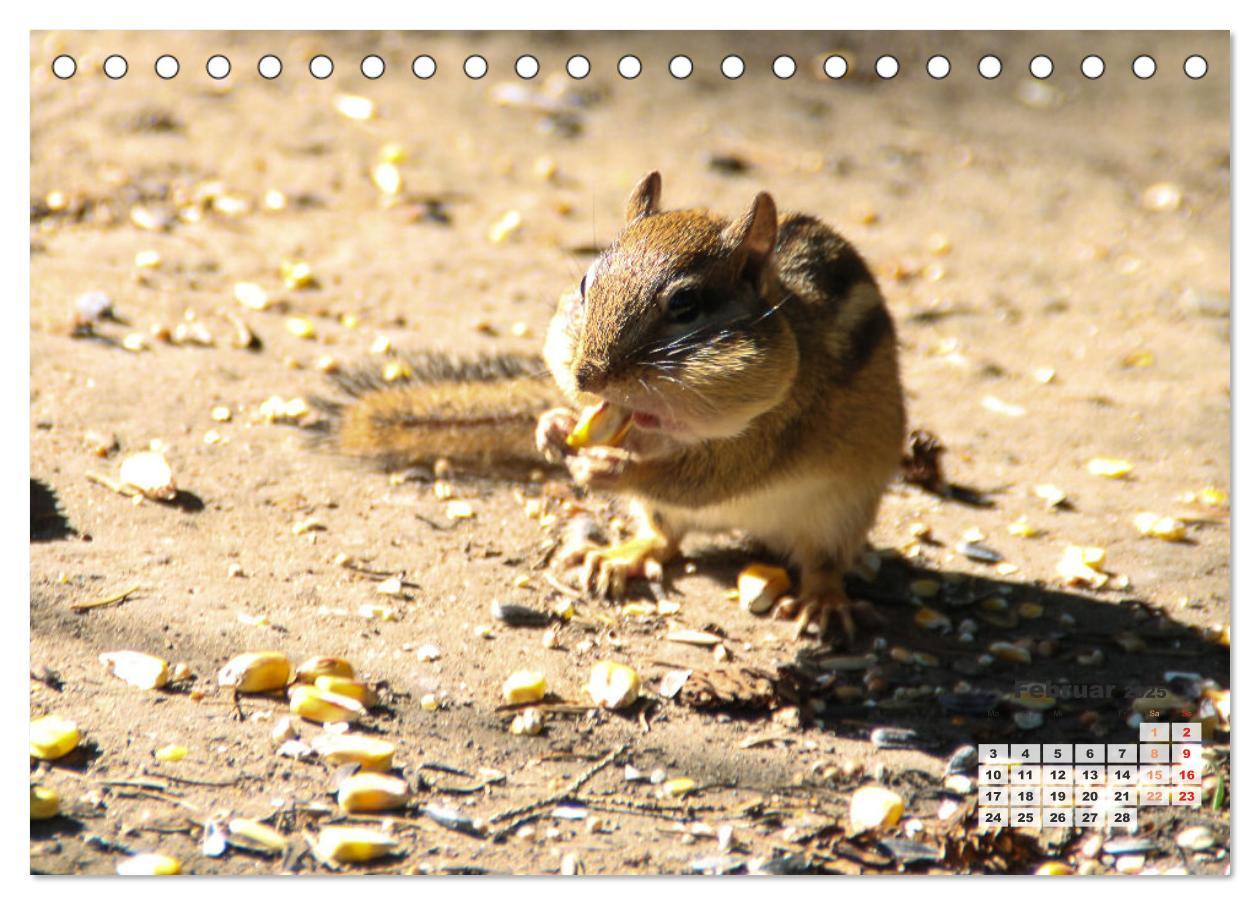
pixel 982 660
pixel 47 521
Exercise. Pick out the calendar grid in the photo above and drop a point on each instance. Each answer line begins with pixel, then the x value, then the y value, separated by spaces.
pixel 1049 785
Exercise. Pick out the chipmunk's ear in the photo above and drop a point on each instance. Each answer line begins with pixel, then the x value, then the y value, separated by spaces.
pixel 645 199
pixel 752 236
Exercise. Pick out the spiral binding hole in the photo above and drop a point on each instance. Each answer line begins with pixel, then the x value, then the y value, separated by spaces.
pixel 527 66
pixel 115 66
pixel 270 67
pixel 424 67
pixel 64 66
pixel 166 66
pixel 321 66
pixel 938 66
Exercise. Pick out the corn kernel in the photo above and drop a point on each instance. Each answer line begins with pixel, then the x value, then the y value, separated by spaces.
pixel 760 586
pixel 53 737
pixel 353 844
pixel 319 706
pixel 369 792
pixel 368 752
pixel 524 687
pixel 256 672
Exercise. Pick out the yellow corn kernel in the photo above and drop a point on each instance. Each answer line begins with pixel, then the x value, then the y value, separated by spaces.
pixel 930 620
pixel 601 425
pixel 1054 869
pixel 613 685
pixel 1011 653
pixel 350 688
pixel 875 807
pixel 368 792
pixel 135 668
pixel 52 737
pixel 296 274
pixel 257 671
pixel 256 834
pixel 321 706
pixel 313 667
pixel 353 844
pixel 1109 468
pixel 387 178
pixel 505 226
pixel 149 864
pixel 1164 527
pixel 524 687
pixel 369 753
pixel 678 788
pixel 760 586
pixel 1079 565
pixel 45 803
pixel 171 753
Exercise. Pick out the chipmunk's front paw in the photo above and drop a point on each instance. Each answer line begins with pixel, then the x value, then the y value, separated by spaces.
pixel 607 570
pixel 598 467
pixel 554 426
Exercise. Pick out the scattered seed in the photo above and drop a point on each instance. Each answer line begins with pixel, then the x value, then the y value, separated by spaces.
pixel 352 106
pixel 45 802
pixel 527 722
pixel 148 474
pixel 256 671
pixel 875 808
pixel 365 793
pixel 251 296
pixel 613 685
pixel 52 737
pixel 135 668
pixel 353 844
pixel 149 864
pixel 693 636
pixel 1109 468
pixel 1164 527
pixel 505 226
pixel 760 586
pixel 524 687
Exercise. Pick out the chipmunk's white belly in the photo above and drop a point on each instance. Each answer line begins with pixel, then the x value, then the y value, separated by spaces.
pixel 809 514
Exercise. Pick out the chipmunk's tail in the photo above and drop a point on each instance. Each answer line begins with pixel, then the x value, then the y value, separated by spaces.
pixel 477 412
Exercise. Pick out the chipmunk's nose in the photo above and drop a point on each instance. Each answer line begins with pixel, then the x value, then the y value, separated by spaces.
pixel 590 377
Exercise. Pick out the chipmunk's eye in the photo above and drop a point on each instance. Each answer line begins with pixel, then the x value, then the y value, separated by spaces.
pixel 683 306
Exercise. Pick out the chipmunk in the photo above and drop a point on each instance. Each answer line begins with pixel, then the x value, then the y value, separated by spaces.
pixel 758 363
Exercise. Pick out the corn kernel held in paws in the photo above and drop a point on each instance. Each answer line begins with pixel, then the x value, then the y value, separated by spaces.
pixel 601 425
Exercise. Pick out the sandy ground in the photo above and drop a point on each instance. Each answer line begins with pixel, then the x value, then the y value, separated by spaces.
pixel 1013 230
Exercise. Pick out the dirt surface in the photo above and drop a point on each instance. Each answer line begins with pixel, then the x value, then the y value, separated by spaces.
pixel 1012 228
